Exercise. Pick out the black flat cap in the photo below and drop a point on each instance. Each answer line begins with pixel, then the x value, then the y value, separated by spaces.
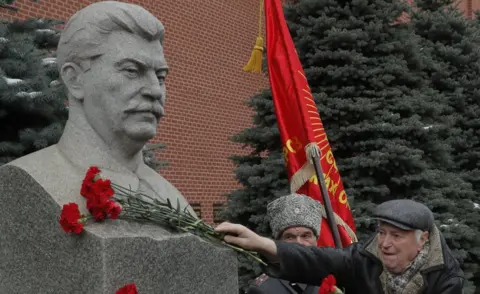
pixel 405 214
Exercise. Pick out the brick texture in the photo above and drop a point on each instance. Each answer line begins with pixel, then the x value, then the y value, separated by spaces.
pixel 466 7
pixel 469 7
pixel 206 45
pixel 475 5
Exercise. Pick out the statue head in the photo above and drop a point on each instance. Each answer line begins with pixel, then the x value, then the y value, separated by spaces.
pixel 110 56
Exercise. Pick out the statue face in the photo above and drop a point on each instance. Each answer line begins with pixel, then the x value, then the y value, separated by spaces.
pixel 124 89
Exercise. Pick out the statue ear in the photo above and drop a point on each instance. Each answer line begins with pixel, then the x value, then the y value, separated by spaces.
pixel 72 76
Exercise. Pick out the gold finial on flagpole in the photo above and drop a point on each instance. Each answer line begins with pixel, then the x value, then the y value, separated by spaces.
pixel 255 62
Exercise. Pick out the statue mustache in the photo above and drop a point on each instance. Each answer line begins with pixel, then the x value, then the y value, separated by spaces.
pixel 157 110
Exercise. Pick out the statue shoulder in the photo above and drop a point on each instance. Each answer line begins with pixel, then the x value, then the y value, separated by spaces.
pixel 35 158
pixel 53 172
pixel 44 165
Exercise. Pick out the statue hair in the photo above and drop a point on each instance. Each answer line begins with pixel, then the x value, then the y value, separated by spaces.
pixel 86 31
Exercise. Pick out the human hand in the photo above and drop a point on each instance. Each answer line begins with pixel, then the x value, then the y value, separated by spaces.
pixel 243 237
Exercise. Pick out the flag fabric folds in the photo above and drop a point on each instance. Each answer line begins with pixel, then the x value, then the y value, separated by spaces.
pixel 301 129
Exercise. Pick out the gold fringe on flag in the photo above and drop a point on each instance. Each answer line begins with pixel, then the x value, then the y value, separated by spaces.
pixel 305 173
pixel 255 62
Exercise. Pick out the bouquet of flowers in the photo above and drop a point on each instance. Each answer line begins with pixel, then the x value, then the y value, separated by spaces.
pixel 109 200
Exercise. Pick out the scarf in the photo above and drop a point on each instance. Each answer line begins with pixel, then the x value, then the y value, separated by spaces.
pixel 397 282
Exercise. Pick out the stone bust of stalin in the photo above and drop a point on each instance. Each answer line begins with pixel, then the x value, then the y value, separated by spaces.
pixel 111 60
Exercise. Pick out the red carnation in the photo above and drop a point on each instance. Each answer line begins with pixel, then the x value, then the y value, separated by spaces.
pixel 128 289
pixel 98 213
pixel 70 219
pixel 328 285
pixel 113 210
pixel 98 193
pixel 103 187
pixel 92 172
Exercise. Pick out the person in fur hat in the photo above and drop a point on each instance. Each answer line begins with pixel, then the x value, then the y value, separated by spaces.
pixel 293 218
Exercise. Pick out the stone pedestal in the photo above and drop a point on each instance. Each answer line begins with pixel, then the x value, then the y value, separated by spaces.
pixel 36 256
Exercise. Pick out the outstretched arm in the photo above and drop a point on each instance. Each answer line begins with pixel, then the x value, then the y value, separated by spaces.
pixel 310 265
pixel 241 236
pixel 294 262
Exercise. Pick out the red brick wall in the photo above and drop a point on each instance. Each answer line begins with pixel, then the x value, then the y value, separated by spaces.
pixel 469 7
pixel 207 43
pixel 466 7
pixel 475 5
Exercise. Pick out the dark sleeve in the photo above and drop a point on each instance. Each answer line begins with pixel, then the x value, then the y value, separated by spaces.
pixel 310 265
pixel 254 289
pixel 453 285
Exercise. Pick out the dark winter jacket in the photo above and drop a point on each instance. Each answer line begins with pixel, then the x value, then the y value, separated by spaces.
pixel 358 268
pixel 267 285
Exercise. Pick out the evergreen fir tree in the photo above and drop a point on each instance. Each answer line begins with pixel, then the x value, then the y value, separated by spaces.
pixel 6 2
pixel 382 118
pixel 32 100
pixel 451 45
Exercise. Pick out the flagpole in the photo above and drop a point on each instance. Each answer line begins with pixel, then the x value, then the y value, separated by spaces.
pixel 326 199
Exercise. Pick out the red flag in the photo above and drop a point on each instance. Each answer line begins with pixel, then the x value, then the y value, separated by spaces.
pixel 300 125
pixel 301 130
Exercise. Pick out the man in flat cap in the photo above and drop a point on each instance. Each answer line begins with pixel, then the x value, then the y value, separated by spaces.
pixel 407 255
pixel 293 218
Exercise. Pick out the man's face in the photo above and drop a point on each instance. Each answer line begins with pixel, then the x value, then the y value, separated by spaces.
pixel 398 248
pixel 125 88
pixel 300 235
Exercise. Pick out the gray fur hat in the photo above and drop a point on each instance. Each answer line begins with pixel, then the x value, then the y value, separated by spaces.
pixel 292 211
